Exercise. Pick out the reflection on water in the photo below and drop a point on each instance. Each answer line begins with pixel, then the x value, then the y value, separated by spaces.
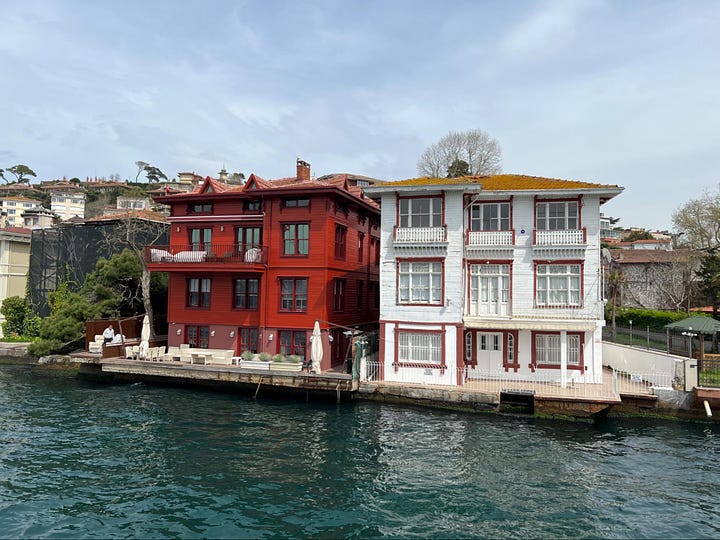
pixel 95 461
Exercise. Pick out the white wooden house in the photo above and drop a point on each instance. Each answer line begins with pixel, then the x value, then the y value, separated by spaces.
pixel 495 276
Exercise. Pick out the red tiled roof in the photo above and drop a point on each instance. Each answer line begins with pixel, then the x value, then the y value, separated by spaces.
pixel 652 256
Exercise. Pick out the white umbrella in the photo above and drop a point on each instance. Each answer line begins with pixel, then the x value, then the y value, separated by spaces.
pixel 145 338
pixel 316 348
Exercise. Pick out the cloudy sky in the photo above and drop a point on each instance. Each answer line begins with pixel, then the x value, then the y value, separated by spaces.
pixel 615 92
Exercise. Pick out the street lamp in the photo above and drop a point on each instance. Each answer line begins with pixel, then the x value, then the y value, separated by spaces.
pixel 630 321
pixel 690 334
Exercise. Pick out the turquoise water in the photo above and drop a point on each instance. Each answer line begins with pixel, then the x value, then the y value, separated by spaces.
pixel 82 460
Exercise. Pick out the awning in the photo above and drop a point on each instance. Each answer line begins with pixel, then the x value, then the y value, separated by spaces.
pixel 698 325
pixel 534 324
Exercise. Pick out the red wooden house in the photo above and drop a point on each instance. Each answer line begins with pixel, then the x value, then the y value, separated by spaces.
pixel 252 267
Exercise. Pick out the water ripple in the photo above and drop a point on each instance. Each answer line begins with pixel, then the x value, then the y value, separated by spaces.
pixel 78 460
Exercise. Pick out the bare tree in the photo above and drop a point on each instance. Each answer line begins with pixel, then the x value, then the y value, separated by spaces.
pixel 698 221
pixel 136 232
pixel 481 152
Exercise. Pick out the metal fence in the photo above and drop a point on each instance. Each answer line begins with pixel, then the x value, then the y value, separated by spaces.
pixel 591 386
pixel 709 373
pixel 660 340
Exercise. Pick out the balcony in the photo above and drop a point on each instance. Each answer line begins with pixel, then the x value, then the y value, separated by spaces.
pixel 560 244
pixel 234 254
pixel 420 241
pixel 420 235
pixel 572 237
pixel 489 243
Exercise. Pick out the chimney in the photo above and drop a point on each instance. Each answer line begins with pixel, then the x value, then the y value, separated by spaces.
pixel 303 171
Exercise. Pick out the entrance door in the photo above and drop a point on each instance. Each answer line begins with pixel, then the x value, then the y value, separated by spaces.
pixel 489 352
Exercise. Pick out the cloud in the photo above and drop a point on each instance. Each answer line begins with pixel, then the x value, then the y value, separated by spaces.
pixel 550 26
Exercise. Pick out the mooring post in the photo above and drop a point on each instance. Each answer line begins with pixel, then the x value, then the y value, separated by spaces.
pixel 258 388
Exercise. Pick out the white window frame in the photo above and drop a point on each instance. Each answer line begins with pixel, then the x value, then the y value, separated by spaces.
pixel 558 285
pixel 547 349
pixel 479 296
pixel 488 216
pixel 420 348
pixel 413 215
pixel 557 215
pixel 420 282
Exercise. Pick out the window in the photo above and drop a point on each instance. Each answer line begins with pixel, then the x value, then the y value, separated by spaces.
pixel 420 283
pixel 360 295
pixel 293 294
pixel 489 289
pixel 339 295
pixel 247 292
pixel 558 285
pixel 198 336
pixel 200 208
pixel 251 206
pixel 248 340
pixel 468 346
pixel 425 348
pixel 490 217
pixel 421 212
pixel 361 246
pixel 511 349
pixel 296 202
pixel 340 237
pixel 248 237
pixel 201 239
pixel 374 293
pixel 295 238
pixel 557 215
pixel 292 342
pixel 547 349
pixel 573 349
pixel 198 292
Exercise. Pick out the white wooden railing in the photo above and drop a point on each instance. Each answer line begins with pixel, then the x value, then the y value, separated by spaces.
pixel 419 235
pixel 560 238
pixel 490 238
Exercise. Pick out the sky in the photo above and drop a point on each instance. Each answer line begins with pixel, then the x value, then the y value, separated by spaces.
pixel 615 92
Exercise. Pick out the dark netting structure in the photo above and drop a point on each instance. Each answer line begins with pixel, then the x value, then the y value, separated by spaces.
pixel 70 251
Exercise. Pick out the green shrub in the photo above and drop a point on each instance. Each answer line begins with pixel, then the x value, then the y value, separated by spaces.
pixel 278 358
pixel 264 357
pixel 643 318
pixel 294 358
pixel 247 355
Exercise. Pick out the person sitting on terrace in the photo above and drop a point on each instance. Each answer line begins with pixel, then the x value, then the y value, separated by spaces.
pixel 108 334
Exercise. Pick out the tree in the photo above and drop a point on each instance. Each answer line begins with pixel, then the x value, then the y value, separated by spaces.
pixel 458 168
pixel 481 152
pixel 632 236
pixel 709 275
pixel 20 172
pixel 698 220
pixel 136 233
pixel 153 174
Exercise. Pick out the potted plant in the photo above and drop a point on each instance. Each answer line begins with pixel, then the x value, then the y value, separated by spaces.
pixel 247 355
pixel 259 361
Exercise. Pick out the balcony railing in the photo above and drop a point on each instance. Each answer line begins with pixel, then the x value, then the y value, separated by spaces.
pixel 215 253
pixel 490 238
pixel 572 237
pixel 419 235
